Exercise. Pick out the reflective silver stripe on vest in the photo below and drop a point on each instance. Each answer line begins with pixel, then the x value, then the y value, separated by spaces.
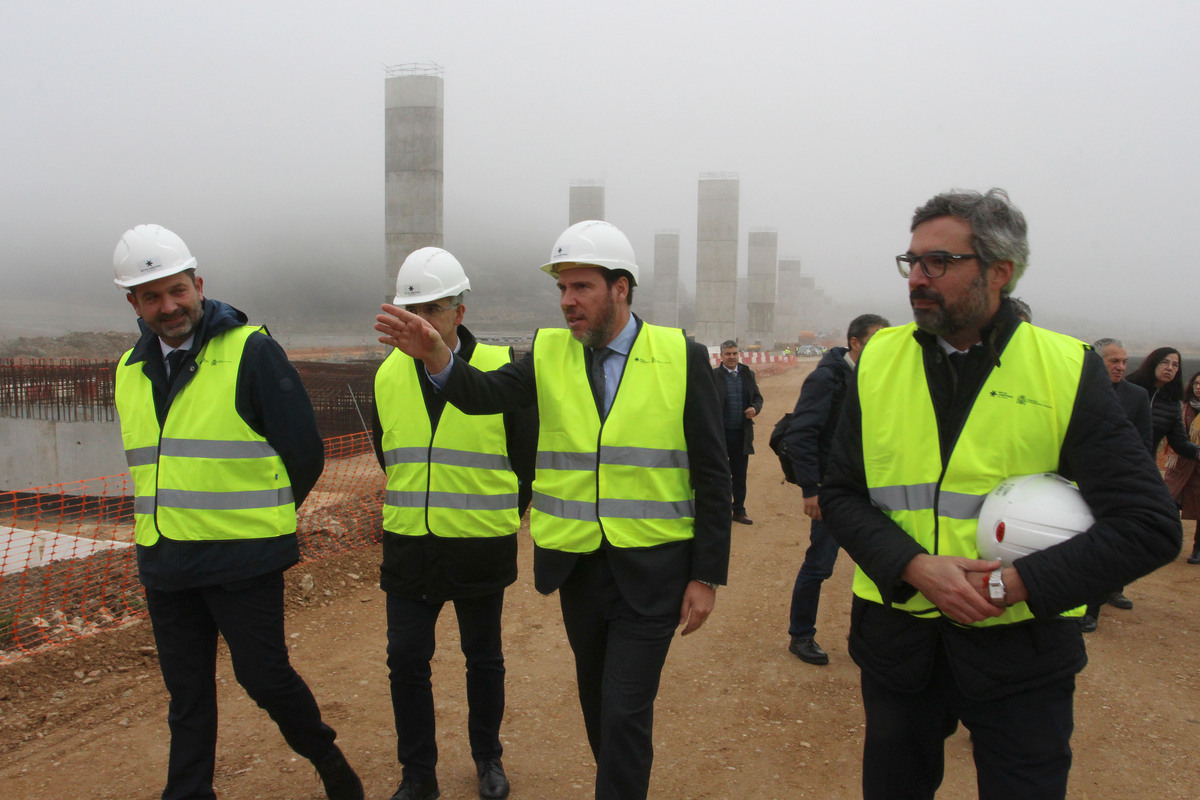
pixel 446 456
pixel 957 505
pixel 647 509
pixel 644 457
pixel 649 457
pixel 224 501
pixel 460 502
pixel 565 509
pixel 213 448
pixel 547 459
pixel 143 505
pixel 613 509
pixel 404 455
pixel 921 497
pixel 141 456
pixel 917 497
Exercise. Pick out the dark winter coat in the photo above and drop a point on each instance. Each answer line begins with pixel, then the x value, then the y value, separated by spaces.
pixel 1166 416
pixel 1136 530
pixel 809 436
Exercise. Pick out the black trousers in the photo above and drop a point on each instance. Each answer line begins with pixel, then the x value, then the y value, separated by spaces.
pixel 249 616
pixel 739 462
pixel 411 629
pixel 619 656
pixel 1021 743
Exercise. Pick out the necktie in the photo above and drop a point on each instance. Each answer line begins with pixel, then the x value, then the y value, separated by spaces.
pixel 599 356
pixel 175 364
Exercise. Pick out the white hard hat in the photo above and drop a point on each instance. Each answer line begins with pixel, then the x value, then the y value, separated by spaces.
pixel 429 274
pixel 147 253
pixel 594 243
pixel 1028 513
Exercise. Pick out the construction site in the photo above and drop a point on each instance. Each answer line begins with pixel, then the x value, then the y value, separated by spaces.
pixel 83 708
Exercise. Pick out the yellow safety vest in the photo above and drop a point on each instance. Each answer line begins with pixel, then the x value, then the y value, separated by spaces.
pixel 1015 427
pixel 455 481
pixel 205 475
pixel 624 479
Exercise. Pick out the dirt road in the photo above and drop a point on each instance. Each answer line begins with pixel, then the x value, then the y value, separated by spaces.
pixel 737 716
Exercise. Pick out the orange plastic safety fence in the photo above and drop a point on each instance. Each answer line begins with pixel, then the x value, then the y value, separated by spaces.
pixel 68 567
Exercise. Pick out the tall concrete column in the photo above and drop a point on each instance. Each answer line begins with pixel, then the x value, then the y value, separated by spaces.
pixel 412 154
pixel 807 305
pixel 716 257
pixel 787 301
pixel 666 278
pixel 761 264
pixel 587 200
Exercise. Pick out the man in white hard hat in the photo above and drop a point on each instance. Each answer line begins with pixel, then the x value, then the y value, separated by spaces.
pixel 630 514
pixel 457 488
pixel 940 412
pixel 223 447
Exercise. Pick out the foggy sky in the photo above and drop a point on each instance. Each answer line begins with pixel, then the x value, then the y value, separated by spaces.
pixel 255 131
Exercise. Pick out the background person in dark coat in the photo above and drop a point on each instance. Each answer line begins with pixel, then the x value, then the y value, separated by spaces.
pixel 1159 376
pixel 808 440
pixel 741 401
pixel 1136 405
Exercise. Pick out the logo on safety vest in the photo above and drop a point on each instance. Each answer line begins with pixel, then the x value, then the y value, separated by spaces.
pixel 1022 400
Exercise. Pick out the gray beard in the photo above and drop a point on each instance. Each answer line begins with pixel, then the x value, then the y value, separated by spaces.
pixel 947 321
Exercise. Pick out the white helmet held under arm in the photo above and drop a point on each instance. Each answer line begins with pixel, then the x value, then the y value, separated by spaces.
pixel 1028 513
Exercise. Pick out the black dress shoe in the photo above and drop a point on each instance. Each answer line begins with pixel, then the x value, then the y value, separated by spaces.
pixel 1118 600
pixel 412 789
pixel 338 777
pixel 742 518
pixel 1194 558
pixel 809 651
pixel 493 783
pixel 1087 623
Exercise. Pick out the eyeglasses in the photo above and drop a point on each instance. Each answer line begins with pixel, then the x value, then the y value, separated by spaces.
pixel 933 264
pixel 429 309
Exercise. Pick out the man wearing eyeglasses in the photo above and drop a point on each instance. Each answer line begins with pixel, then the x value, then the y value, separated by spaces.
pixel 940 412
pixel 457 487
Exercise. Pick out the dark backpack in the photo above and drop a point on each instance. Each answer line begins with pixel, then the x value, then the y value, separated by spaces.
pixel 778 444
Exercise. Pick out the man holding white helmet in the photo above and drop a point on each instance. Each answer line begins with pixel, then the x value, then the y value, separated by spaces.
pixel 630 515
pixel 940 412
pixel 457 488
pixel 223 447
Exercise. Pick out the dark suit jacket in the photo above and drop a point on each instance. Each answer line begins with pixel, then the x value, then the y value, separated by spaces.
pixel 1136 404
pixel 750 397
pixel 651 579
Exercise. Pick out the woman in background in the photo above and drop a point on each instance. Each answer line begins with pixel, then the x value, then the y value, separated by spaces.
pixel 1159 376
pixel 1182 475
